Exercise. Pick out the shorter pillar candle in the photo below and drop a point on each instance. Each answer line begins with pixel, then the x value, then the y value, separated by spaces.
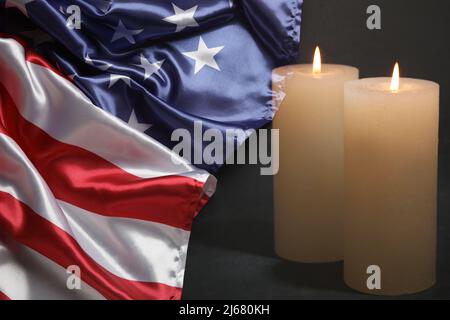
pixel 308 199
pixel 391 143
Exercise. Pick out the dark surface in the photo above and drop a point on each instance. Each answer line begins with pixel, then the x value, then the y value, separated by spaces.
pixel 231 251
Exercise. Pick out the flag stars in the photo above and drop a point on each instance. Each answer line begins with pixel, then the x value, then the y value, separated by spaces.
pixel 150 68
pixel 134 123
pixel 114 78
pixel 204 56
pixel 121 31
pixel 182 18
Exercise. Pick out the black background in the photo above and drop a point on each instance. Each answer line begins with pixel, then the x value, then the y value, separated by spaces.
pixel 231 251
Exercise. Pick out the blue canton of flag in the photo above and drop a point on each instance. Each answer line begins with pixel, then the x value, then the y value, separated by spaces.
pixel 162 65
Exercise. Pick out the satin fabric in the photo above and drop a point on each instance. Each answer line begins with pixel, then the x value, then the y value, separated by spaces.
pixel 79 187
pixel 43 281
pixel 257 36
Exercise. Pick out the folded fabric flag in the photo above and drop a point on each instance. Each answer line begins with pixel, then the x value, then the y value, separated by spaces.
pixel 163 65
pixel 81 190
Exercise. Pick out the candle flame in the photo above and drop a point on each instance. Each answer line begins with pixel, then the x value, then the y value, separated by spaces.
pixel 395 82
pixel 317 63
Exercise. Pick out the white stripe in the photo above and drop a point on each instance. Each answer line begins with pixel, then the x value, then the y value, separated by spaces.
pixel 133 249
pixel 129 248
pixel 28 275
pixel 55 105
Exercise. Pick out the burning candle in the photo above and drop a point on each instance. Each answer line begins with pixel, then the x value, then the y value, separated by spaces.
pixel 308 199
pixel 391 144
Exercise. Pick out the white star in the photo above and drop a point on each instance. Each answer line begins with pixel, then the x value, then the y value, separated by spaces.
pixel 19 4
pixel 122 32
pixel 133 122
pixel 231 3
pixel 113 78
pixel 102 67
pixel 150 68
pixel 204 56
pixel 182 18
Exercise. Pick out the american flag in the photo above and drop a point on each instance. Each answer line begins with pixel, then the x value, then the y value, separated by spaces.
pixel 78 187
pixel 87 108
pixel 161 65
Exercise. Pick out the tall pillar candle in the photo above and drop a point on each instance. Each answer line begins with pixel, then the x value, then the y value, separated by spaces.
pixel 391 143
pixel 308 187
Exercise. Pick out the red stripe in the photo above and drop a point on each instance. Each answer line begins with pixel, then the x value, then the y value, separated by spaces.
pixel 4 296
pixel 21 223
pixel 84 179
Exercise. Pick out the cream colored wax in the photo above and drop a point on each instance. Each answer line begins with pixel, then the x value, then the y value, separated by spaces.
pixel 391 141
pixel 308 187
